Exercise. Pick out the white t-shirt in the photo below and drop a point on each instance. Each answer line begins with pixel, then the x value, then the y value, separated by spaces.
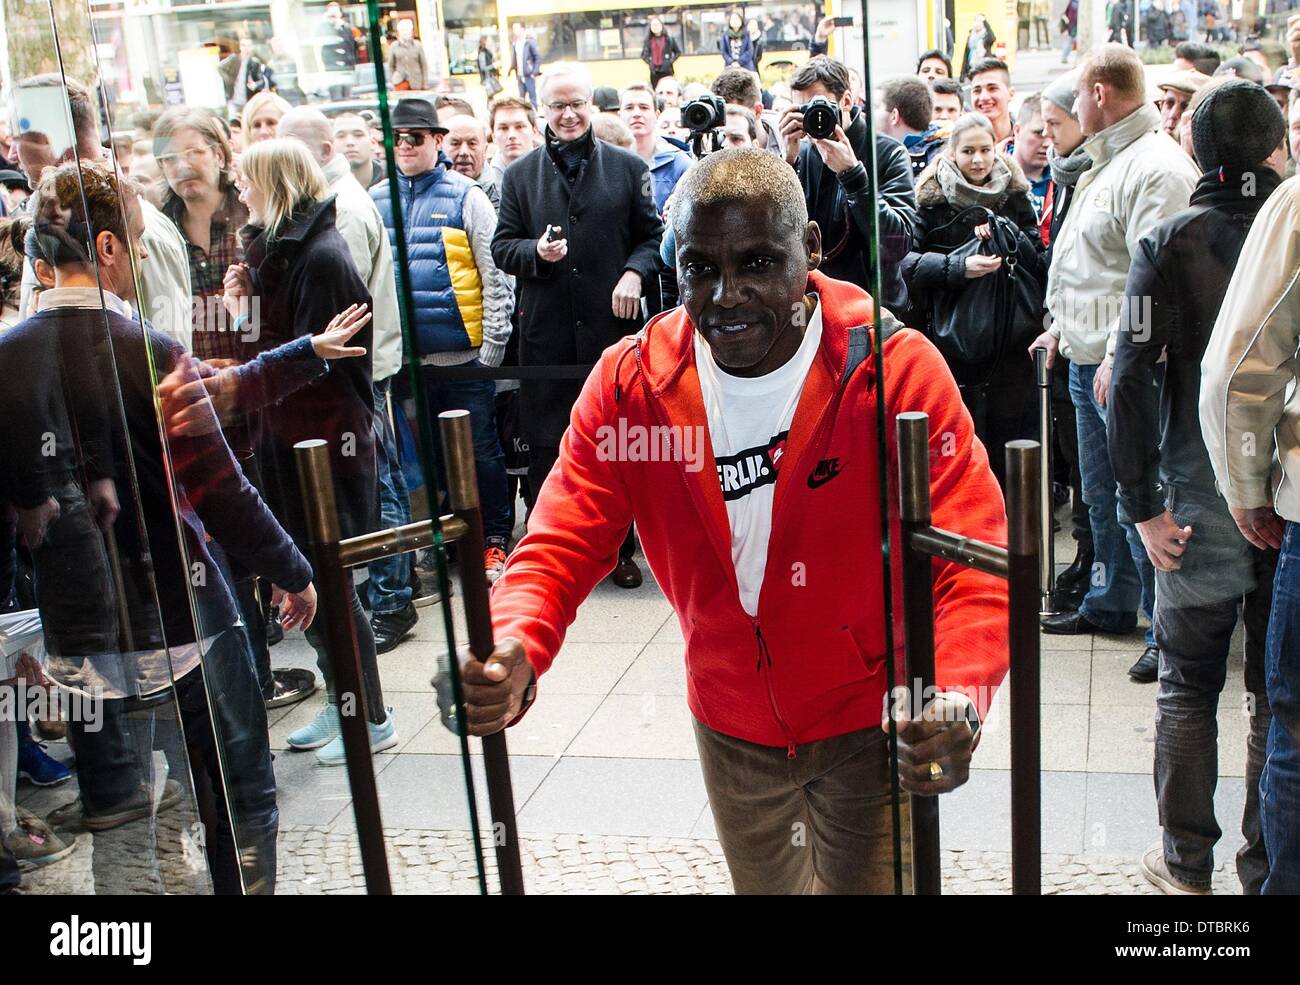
pixel 749 421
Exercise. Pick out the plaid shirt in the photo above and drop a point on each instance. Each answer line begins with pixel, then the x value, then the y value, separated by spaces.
pixel 213 338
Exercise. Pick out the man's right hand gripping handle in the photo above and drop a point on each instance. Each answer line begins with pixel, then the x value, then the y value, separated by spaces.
pixel 496 690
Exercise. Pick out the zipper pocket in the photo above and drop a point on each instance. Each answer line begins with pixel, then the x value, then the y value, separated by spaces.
pixel 763 652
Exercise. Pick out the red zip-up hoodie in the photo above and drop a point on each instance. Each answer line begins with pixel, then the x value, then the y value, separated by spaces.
pixel 811 665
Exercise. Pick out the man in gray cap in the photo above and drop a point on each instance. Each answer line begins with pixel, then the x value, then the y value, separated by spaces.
pixel 1138 178
pixel 1175 93
pixel 1066 161
pixel 1206 572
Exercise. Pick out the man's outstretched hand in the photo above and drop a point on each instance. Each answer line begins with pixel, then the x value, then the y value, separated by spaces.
pixel 494 688
pixel 940 735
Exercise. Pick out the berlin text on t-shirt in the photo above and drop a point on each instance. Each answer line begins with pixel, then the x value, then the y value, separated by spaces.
pixel 751 469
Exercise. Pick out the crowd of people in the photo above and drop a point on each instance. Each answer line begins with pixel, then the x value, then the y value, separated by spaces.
pixel 255 266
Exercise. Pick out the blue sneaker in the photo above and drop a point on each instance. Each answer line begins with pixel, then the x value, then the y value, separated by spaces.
pixel 319 731
pixel 382 736
pixel 36 766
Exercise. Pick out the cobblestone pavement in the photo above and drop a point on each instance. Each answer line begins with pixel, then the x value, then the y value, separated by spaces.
pixel 316 860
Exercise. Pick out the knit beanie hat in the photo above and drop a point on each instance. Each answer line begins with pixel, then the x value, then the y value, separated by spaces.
pixel 1062 91
pixel 1236 126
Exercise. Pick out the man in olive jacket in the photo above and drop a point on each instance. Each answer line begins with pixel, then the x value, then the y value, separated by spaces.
pixel 580 292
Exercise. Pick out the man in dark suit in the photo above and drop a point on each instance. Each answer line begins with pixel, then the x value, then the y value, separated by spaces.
pixel 579 291
pixel 525 62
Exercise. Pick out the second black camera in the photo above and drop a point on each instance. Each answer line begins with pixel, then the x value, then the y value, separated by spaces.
pixel 708 112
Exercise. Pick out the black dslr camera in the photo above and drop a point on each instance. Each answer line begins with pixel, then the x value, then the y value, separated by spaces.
pixel 704 114
pixel 820 117
pixel 705 117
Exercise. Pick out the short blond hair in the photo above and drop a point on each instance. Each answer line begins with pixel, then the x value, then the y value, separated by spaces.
pixel 288 177
pixel 740 174
pixel 254 106
pixel 1117 66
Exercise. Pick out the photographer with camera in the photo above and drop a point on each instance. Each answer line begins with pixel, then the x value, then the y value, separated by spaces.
pixel 825 137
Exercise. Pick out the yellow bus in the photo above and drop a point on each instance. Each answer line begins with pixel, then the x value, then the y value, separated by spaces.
pixel 609 40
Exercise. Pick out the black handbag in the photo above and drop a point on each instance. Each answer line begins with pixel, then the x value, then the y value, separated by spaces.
pixel 976 326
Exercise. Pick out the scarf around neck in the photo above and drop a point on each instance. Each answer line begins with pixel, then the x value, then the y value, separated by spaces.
pixel 961 194
pixel 1067 170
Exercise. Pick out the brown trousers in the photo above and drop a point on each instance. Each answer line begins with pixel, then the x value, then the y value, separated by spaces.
pixel 820 823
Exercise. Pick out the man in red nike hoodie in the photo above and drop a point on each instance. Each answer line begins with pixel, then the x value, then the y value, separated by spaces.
pixel 739 433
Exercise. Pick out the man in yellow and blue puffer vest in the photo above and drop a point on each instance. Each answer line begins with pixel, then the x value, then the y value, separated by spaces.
pixel 461 301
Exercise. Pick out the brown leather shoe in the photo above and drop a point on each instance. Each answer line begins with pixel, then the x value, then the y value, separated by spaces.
pixel 627 574
pixel 51 731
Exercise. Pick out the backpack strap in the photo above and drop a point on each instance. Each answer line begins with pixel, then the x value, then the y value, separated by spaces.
pixel 860 341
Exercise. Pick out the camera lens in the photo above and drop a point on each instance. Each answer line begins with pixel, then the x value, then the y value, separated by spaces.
pixel 706 113
pixel 696 116
pixel 820 117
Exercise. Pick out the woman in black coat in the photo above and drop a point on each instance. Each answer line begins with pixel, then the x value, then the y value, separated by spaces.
pixel 946 277
pixel 659 51
pixel 488 73
pixel 299 274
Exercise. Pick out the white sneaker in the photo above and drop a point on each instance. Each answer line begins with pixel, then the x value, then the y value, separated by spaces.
pixel 319 731
pixel 382 736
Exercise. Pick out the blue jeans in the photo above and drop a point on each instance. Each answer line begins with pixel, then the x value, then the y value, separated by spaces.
pixel 479 397
pixel 528 88
pixel 226 739
pixel 1122 576
pixel 1279 786
pixel 390 577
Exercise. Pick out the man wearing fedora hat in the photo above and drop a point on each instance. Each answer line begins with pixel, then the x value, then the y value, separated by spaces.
pixel 15 191
pixel 462 302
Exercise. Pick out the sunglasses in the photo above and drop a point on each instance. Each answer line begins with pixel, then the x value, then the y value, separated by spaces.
pixel 411 138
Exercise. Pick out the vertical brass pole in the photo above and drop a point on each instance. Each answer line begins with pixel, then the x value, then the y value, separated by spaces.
pixel 317 483
pixel 918 628
pixel 1047 550
pixel 462 491
pixel 1024 594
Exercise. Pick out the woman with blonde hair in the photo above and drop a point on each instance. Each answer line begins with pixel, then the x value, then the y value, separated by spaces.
pixel 261 116
pixel 298 274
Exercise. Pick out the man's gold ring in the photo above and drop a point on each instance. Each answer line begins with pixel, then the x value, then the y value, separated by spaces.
pixel 936 771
